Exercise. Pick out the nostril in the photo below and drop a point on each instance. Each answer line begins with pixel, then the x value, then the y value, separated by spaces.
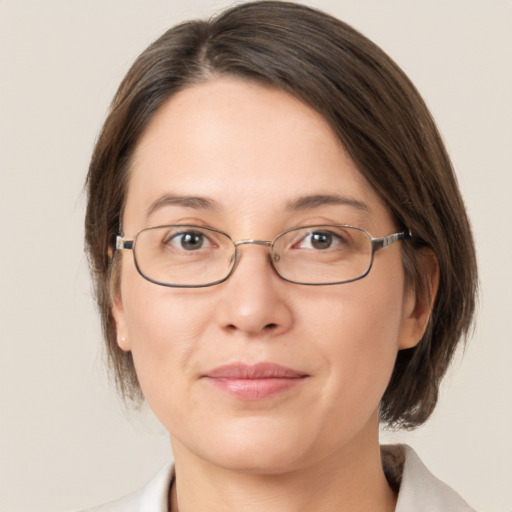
pixel 271 327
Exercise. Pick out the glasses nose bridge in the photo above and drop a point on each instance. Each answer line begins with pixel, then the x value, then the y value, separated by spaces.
pixel 265 243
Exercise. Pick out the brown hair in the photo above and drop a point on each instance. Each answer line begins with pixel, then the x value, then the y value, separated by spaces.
pixel 379 117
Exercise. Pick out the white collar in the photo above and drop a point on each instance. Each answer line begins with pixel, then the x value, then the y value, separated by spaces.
pixel 419 490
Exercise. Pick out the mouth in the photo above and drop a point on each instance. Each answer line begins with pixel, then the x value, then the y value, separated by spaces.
pixel 254 382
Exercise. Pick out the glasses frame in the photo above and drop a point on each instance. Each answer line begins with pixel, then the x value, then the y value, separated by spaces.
pixel 377 244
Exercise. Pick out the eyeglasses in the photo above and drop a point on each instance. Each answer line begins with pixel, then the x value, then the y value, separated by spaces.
pixel 189 256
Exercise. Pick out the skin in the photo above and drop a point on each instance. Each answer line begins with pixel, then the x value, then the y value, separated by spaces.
pixel 253 151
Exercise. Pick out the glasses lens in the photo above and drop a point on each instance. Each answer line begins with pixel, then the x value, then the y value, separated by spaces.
pixel 184 255
pixel 323 254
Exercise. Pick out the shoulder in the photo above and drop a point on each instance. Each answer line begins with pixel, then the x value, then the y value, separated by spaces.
pixel 418 489
pixel 153 497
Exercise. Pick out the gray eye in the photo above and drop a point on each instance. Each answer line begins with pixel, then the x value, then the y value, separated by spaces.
pixel 321 240
pixel 188 241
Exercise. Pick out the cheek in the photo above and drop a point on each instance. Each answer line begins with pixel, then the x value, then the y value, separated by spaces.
pixel 357 336
pixel 165 329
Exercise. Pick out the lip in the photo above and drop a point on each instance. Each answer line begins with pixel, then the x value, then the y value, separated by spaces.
pixel 254 382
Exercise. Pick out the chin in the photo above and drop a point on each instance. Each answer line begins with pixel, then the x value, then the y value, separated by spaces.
pixel 255 460
pixel 252 446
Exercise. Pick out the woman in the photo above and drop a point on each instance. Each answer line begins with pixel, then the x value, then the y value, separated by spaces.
pixel 282 261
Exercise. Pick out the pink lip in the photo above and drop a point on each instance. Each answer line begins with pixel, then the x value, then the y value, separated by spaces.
pixel 254 382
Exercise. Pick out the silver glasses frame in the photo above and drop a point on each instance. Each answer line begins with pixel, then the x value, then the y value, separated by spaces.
pixel 377 244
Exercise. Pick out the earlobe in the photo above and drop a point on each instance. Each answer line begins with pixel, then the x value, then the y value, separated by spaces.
pixel 119 318
pixel 419 301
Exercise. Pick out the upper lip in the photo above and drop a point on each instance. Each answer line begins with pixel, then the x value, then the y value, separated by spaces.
pixel 263 370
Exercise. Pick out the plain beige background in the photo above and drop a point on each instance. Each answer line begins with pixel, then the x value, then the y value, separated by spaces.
pixel 65 440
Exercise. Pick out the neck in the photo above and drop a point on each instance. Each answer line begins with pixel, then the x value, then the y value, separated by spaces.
pixel 352 481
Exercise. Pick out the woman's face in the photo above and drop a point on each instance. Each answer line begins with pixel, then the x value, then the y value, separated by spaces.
pixel 260 162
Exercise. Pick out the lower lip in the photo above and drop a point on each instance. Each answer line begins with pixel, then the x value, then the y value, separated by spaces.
pixel 254 389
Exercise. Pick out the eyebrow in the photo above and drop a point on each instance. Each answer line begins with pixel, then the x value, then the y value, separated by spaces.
pixel 302 203
pixel 196 202
pixel 316 200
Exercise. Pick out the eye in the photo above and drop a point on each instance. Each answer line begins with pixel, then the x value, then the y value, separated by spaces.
pixel 320 240
pixel 188 240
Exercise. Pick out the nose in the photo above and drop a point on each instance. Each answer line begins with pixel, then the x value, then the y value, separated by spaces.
pixel 254 299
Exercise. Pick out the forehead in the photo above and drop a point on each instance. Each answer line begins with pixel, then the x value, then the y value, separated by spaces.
pixel 247 148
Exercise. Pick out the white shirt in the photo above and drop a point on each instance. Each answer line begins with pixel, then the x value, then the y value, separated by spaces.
pixel 419 490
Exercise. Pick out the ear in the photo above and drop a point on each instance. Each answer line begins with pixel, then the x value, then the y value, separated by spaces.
pixel 419 301
pixel 120 320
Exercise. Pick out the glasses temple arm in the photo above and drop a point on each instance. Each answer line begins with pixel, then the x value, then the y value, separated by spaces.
pixel 121 243
pixel 386 241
